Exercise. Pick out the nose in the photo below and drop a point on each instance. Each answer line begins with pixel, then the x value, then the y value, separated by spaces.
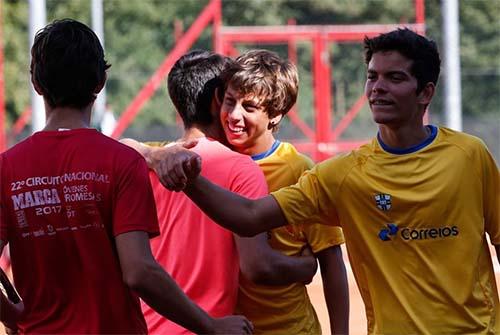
pixel 236 112
pixel 378 85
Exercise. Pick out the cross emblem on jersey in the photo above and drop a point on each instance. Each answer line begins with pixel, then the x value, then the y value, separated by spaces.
pixel 383 201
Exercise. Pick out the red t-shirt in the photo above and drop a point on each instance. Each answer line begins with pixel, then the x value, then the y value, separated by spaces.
pixel 200 255
pixel 65 195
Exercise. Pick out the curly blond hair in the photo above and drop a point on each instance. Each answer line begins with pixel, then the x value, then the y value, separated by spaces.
pixel 263 73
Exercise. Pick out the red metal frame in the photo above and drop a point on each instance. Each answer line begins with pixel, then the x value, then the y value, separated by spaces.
pixel 21 122
pixel 182 46
pixel 322 141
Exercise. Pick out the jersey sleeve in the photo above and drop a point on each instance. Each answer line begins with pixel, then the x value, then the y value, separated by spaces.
pixel 309 200
pixel 321 237
pixel 491 195
pixel 248 180
pixel 135 208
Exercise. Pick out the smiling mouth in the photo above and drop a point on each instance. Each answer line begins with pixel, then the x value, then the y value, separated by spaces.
pixel 235 129
pixel 380 102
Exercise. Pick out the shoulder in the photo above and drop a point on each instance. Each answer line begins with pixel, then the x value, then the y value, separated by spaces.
pixel 287 156
pixel 295 157
pixel 19 148
pixel 471 146
pixel 120 150
pixel 461 139
pixel 156 143
pixel 219 158
pixel 221 155
pixel 343 163
pixel 115 155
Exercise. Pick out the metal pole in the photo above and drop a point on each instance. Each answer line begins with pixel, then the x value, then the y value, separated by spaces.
pixel 452 83
pixel 3 138
pixel 98 27
pixel 37 20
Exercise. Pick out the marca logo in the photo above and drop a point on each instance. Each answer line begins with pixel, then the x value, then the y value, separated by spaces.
pixel 383 201
pixel 410 234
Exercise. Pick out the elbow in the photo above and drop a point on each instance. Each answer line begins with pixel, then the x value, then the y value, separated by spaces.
pixel 246 230
pixel 133 280
pixel 137 277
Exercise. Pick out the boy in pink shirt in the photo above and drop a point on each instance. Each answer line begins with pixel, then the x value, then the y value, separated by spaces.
pixel 201 256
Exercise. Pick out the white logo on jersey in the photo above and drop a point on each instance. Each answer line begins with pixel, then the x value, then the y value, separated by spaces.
pixel 36 198
pixel 383 201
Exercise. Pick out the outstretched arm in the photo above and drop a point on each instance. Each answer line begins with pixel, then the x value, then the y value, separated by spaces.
pixel 178 169
pixel 263 265
pixel 148 279
pixel 144 150
pixel 241 215
pixel 154 154
pixel 335 288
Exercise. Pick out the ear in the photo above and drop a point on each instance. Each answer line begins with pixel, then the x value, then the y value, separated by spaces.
pixel 217 98
pixel 274 121
pixel 36 86
pixel 425 96
pixel 101 84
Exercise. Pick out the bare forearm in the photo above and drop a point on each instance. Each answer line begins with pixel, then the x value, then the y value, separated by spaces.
pixel 336 289
pixel 178 308
pixel 263 265
pixel 288 270
pixel 145 276
pixel 242 216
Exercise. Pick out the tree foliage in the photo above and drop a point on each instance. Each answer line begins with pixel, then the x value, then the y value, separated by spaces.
pixel 139 34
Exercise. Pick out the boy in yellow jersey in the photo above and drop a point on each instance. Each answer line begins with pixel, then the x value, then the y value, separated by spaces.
pixel 260 88
pixel 415 204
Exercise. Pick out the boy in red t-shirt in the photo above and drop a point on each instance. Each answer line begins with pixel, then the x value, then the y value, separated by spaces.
pixel 78 211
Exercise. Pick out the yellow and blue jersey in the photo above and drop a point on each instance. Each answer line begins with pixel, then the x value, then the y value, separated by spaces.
pixel 415 223
pixel 285 309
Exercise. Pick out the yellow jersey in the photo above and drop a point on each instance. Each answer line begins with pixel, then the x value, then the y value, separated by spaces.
pixel 415 225
pixel 285 309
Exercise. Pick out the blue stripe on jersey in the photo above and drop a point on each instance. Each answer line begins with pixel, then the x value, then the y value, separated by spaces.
pixel 268 152
pixel 411 149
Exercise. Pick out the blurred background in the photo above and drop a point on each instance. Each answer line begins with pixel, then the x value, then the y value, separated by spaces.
pixel 139 36
pixel 143 38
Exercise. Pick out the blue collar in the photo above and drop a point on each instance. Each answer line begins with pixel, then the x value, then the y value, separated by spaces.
pixel 268 152
pixel 411 149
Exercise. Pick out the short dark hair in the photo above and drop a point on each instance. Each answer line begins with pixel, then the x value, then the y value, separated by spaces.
pixel 421 50
pixel 67 64
pixel 192 85
pixel 264 73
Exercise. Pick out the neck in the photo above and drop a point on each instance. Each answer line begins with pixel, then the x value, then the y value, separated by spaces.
pixel 193 133
pixel 262 145
pixel 67 117
pixel 403 137
pixel 211 131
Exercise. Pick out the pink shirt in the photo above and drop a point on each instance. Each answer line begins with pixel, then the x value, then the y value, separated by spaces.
pixel 200 255
pixel 65 195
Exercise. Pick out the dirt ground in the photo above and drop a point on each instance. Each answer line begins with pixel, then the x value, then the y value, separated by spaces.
pixel 357 318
